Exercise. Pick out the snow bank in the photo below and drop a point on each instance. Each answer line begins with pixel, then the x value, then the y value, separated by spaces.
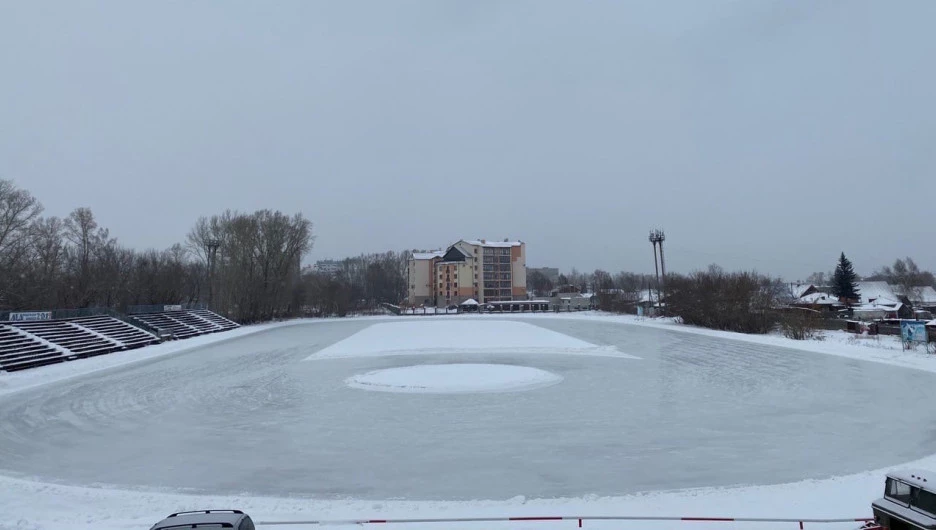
pixel 884 349
pixel 43 506
pixel 454 379
pixel 454 334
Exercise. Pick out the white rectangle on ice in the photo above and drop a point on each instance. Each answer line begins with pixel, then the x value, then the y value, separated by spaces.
pixel 459 336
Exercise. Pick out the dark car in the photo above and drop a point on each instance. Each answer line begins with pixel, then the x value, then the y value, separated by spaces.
pixel 235 519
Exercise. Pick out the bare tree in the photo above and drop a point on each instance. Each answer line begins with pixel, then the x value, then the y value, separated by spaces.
pixel 18 209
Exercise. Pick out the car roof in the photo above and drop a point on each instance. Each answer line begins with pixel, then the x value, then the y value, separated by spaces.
pixel 187 520
pixel 915 477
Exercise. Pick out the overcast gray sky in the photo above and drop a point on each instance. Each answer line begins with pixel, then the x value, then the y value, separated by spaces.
pixel 759 134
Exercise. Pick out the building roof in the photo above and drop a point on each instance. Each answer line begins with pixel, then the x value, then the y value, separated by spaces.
pixel 470 301
pixel 926 294
pixel 818 298
pixel 649 295
pixel 428 255
pixel 488 243
pixel 893 306
pixel 798 290
pixel 871 291
pixel 923 294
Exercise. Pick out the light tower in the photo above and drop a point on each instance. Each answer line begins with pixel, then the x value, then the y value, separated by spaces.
pixel 211 245
pixel 658 237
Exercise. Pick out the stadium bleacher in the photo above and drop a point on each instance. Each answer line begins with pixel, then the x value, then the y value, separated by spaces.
pixel 185 323
pixel 77 340
pixel 217 319
pixel 128 335
pixel 166 324
pixel 19 350
pixel 31 343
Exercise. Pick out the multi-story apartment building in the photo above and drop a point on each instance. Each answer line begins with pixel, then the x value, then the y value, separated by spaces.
pixel 327 266
pixel 482 270
pixel 420 273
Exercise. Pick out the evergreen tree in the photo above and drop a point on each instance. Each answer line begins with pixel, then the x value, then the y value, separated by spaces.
pixel 844 281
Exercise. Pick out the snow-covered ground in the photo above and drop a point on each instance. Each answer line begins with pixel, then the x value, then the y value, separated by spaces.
pixel 29 503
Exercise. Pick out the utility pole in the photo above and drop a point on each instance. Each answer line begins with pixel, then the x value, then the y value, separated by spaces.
pixel 657 237
pixel 212 246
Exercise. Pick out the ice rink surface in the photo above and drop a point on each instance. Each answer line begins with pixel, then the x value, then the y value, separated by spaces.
pixel 251 416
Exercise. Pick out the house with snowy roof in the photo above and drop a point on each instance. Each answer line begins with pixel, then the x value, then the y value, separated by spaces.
pixel 882 293
pixel 921 297
pixel 818 301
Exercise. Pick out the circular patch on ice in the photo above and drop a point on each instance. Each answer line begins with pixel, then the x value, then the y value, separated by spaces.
pixel 454 379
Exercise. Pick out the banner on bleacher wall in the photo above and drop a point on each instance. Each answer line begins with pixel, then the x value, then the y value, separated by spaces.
pixel 28 316
pixel 172 308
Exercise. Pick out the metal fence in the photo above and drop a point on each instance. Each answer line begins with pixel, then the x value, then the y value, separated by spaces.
pixel 58 314
pixel 159 308
pixel 579 519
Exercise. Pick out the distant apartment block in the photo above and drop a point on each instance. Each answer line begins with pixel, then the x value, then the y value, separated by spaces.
pixel 327 266
pixel 486 271
pixel 551 273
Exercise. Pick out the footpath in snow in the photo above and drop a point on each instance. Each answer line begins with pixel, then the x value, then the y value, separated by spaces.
pixel 28 504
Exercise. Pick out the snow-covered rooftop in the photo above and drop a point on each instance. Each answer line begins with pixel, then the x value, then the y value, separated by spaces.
pixel 428 255
pixel 891 306
pixel 818 298
pixel 799 289
pixel 470 301
pixel 926 295
pixel 923 294
pixel 871 291
pixel 649 295
pixel 487 243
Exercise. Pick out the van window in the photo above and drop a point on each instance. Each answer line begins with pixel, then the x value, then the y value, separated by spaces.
pixel 924 500
pixel 898 491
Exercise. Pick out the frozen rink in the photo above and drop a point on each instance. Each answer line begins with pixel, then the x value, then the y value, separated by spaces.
pixel 636 409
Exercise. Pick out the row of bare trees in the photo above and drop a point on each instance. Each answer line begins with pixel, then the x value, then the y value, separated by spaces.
pixel 49 262
pixel 361 284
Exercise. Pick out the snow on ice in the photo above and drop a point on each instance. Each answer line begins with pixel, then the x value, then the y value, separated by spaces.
pixel 454 379
pixel 459 335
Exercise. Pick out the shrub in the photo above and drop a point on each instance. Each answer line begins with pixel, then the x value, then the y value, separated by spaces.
pixel 743 302
pixel 800 324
